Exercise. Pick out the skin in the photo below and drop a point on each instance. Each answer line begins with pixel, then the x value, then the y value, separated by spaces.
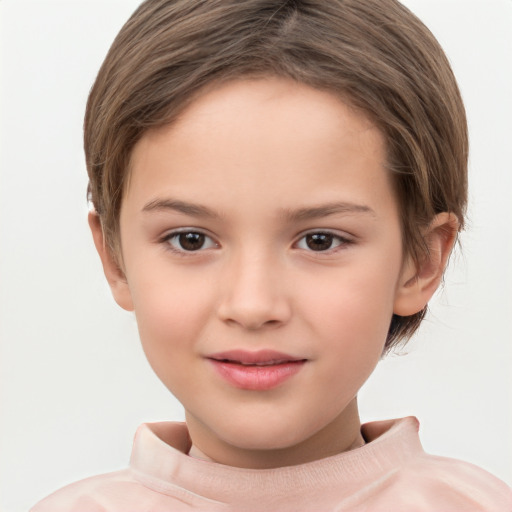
pixel 268 158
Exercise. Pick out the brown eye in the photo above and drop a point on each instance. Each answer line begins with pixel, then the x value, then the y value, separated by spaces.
pixel 322 241
pixel 319 241
pixel 189 241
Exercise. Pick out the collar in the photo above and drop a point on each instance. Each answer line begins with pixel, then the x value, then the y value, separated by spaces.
pixel 159 461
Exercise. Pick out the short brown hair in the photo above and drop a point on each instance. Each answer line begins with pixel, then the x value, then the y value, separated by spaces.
pixel 374 54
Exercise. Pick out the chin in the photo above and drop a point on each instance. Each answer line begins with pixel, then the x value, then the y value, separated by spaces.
pixel 262 434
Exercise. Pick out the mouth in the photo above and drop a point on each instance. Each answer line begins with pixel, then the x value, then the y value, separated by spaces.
pixel 257 371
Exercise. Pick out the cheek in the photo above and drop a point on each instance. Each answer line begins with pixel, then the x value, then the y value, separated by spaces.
pixel 354 343
pixel 354 306
pixel 169 317
pixel 352 318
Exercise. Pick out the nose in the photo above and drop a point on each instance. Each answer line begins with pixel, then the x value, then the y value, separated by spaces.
pixel 254 295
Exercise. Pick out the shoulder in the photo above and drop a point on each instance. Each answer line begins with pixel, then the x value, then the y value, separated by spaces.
pixel 111 491
pixel 456 484
pixel 413 480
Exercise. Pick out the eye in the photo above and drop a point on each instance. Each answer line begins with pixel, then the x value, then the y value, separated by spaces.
pixel 189 241
pixel 321 241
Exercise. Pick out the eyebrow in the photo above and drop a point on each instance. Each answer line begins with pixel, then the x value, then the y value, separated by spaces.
pixel 195 210
pixel 301 214
pixel 325 210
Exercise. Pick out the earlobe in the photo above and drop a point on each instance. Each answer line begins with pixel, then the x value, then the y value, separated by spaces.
pixel 419 280
pixel 114 274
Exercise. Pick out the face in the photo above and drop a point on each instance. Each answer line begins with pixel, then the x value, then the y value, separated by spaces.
pixel 262 251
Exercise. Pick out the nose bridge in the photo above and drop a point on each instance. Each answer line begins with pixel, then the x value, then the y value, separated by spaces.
pixel 254 289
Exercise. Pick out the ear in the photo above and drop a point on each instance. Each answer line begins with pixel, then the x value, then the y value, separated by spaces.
pixel 113 272
pixel 419 280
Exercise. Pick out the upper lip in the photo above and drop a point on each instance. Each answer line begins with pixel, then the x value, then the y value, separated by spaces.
pixel 254 357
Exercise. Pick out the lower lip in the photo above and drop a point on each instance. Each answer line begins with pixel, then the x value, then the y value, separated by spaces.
pixel 258 378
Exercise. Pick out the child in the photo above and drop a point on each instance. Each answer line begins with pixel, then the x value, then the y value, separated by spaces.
pixel 277 187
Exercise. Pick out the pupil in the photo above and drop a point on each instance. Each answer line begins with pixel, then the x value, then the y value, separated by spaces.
pixel 319 241
pixel 191 241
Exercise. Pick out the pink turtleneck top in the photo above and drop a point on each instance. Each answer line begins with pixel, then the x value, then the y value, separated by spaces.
pixel 390 473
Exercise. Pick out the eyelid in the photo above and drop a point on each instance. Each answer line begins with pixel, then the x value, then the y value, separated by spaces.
pixel 169 235
pixel 344 238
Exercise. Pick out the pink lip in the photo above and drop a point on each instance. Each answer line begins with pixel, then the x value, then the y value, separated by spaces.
pixel 261 370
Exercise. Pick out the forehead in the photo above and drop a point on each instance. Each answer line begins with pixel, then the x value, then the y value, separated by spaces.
pixel 253 106
pixel 271 136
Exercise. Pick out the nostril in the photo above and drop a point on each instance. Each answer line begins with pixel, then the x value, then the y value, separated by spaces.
pixel 253 303
pixel 253 324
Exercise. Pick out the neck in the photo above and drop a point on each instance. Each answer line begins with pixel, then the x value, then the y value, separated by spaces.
pixel 341 435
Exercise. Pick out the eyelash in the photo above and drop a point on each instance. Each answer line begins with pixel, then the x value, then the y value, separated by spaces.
pixel 342 241
pixel 167 239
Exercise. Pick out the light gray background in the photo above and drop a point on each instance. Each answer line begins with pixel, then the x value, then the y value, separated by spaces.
pixel 74 382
